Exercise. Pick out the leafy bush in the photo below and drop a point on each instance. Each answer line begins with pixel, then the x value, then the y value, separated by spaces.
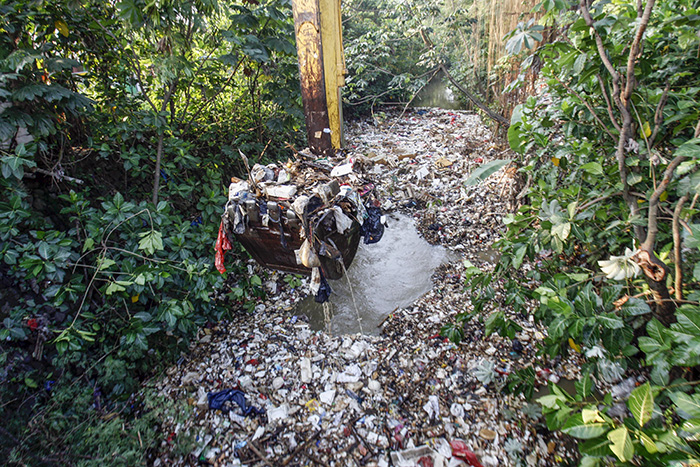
pixel 608 151
pixel 117 134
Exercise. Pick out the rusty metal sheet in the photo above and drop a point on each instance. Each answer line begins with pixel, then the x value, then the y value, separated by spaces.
pixel 265 247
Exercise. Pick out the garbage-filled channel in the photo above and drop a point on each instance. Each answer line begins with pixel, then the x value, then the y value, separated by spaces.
pixel 390 274
pixel 271 388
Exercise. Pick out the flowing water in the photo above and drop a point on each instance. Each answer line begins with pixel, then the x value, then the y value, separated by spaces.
pixel 384 276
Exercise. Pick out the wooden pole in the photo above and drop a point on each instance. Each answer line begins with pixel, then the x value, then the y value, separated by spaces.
pixel 319 49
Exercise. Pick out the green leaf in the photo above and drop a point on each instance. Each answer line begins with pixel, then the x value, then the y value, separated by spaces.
pixel 481 173
pixel 693 240
pixel 691 426
pixel 647 442
pixel 591 416
pixel 595 447
pixel 89 243
pixel 256 281
pixel 588 461
pixel 634 178
pixel 105 263
pixel 688 406
pixel 584 386
pixel 621 445
pixel 687 328
pixel 143 316
pixel 580 63
pixel 453 332
pixel 494 322
pixel 551 401
pixel 514 140
pixel 558 327
pixel 519 256
pixel 151 241
pixel 689 149
pixel 578 429
pixel 635 307
pixel 30 383
pixel 593 168
pixel 562 230
pixel 610 321
pixel 43 250
pixel 658 332
pixel 641 404
pixel 114 287
pixel 660 372
pixel 170 319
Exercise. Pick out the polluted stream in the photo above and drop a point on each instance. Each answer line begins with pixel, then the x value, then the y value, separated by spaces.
pixel 289 393
pixel 383 277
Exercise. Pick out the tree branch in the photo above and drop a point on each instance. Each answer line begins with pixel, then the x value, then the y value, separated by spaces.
pixel 58 175
pixel 677 244
pixel 607 103
pixel 634 49
pixel 652 221
pixel 602 52
pixel 133 61
pixel 494 116
pixel 596 200
pixel 659 114
pixel 211 98
pixel 588 106
pixel 194 76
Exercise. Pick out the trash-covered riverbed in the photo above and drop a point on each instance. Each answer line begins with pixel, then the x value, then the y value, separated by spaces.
pixel 267 389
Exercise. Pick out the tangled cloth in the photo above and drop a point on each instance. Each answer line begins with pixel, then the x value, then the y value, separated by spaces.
pixel 217 400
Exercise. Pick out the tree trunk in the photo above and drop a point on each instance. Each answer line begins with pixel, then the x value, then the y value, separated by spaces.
pixel 656 273
pixel 156 175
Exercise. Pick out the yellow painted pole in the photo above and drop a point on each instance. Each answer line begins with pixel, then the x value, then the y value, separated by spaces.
pixel 333 65
pixel 318 31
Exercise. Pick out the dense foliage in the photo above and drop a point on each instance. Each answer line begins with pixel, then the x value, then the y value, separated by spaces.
pixel 609 149
pixel 119 127
pixel 118 124
pixel 395 47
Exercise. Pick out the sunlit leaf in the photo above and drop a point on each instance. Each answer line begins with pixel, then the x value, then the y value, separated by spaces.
pixel 641 404
pixel 621 445
pixel 578 429
pixel 485 171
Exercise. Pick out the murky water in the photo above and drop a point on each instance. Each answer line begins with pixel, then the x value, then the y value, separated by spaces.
pixel 437 94
pixel 489 255
pixel 384 276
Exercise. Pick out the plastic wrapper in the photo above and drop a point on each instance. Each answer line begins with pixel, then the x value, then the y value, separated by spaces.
pixel 222 245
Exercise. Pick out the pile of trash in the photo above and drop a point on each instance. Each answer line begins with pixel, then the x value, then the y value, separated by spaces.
pixel 317 213
pixel 265 389
pixel 424 161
